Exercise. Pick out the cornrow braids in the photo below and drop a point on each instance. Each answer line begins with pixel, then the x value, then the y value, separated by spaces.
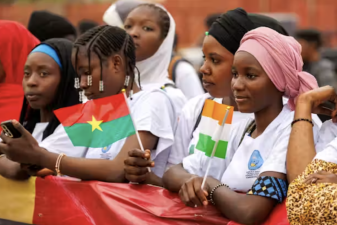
pixel 164 18
pixel 105 41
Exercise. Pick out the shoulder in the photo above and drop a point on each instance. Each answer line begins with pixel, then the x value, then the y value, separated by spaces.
pixel 153 97
pixel 183 67
pixel 194 105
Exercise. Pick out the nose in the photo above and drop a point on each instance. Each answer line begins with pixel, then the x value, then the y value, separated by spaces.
pixel 134 32
pixel 238 83
pixel 83 82
pixel 205 70
pixel 32 80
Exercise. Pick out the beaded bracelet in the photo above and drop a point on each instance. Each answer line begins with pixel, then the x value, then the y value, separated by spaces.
pixel 213 190
pixel 58 162
pixel 301 119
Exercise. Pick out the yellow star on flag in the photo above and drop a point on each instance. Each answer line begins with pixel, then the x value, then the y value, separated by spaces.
pixel 95 124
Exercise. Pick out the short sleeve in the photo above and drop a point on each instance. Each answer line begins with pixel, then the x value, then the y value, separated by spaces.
pixel 155 114
pixel 184 131
pixel 59 142
pixel 327 133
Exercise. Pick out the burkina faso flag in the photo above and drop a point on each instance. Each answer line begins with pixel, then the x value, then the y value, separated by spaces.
pixel 97 123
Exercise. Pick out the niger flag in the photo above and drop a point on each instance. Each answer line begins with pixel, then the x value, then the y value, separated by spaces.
pixel 97 123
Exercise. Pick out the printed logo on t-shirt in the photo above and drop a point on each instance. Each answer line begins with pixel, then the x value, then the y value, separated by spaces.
pixel 106 149
pixel 255 161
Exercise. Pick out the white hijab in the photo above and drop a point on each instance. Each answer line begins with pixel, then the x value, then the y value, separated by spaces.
pixel 154 70
pixel 116 14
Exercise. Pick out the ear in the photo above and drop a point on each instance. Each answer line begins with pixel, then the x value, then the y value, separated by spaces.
pixel 117 63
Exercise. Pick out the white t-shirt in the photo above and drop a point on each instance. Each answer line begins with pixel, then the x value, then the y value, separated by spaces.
pixel 326 146
pixel 245 162
pixel 177 97
pixel 187 80
pixel 185 137
pixel 151 111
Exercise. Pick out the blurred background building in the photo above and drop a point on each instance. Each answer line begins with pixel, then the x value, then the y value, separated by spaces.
pixel 190 14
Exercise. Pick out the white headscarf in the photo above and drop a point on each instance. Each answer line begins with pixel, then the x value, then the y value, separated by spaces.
pixel 154 70
pixel 116 14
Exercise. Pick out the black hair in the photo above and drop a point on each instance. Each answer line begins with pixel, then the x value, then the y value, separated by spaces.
pixel 175 42
pixel 105 41
pixel 85 25
pixel 311 36
pixel 164 18
pixel 66 94
pixel 210 19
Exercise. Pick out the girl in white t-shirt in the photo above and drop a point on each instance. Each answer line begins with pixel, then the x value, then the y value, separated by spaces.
pixel 104 58
pixel 267 66
pixel 48 84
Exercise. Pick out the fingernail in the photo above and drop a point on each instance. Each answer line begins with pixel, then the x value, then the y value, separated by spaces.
pixel 205 203
pixel 147 155
pixel 152 164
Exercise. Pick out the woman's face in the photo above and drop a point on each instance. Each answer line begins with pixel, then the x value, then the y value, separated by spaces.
pixel 251 86
pixel 113 73
pixel 42 76
pixel 143 26
pixel 216 70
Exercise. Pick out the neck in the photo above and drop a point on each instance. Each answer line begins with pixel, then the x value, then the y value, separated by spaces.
pixel 46 115
pixel 230 101
pixel 265 116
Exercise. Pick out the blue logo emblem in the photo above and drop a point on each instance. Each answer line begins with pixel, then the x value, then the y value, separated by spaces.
pixel 106 149
pixel 255 161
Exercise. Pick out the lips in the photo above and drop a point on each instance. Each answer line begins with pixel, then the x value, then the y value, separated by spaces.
pixel 32 96
pixel 88 95
pixel 206 83
pixel 240 99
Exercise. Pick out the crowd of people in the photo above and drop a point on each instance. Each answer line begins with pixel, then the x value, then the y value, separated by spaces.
pixel 278 149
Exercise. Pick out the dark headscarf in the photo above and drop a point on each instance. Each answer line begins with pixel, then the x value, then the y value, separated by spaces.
pixel 231 26
pixel 66 94
pixel 45 25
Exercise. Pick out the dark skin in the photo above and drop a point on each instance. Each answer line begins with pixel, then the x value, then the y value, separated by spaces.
pixel 40 82
pixel 143 26
pixel 301 148
pixel 217 77
pixel 249 84
pixel 26 149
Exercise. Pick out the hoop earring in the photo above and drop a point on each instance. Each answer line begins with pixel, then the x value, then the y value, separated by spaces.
pixel 77 83
pixel 89 80
pixel 101 86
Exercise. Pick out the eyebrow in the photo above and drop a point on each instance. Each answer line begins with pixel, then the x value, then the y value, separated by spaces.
pixel 215 54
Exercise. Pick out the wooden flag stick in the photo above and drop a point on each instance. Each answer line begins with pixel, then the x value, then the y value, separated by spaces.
pixel 216 139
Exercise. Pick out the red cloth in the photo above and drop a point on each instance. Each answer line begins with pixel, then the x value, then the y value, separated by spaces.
pixel 16 42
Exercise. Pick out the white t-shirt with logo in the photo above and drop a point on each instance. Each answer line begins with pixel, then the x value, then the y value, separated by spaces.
pixel 151 111
pixel 245 162
pixel 185 137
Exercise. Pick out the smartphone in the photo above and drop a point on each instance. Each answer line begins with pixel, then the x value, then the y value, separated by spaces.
pixel 9 129
pixel 328 105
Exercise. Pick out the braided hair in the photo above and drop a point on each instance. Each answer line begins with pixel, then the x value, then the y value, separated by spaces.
pixel 105 41
pixel 164 18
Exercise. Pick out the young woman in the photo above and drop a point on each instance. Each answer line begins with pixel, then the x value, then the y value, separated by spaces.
pixel 48 85
pixel 219 46
pixel 152 29
pixel 266 67
pixel 312 193
pixel 105 55
pixel 15 47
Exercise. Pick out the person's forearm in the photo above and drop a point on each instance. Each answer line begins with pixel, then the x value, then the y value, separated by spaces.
pixel 154 180
pixel 175 177
pixel 12 170
pixel 85 169
pixel 301 148
pixel 242 208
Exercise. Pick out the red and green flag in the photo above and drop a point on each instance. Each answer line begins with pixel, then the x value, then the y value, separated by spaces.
pixel 97 123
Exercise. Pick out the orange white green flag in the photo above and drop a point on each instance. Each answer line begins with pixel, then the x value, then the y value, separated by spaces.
pixel 213 128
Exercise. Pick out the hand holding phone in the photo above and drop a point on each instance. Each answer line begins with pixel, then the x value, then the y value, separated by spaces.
pixel 9 129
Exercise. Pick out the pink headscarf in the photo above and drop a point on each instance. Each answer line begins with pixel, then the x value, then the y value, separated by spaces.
pixel 280 57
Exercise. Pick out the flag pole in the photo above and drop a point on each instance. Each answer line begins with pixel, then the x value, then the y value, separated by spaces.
pixel 137 134
pixel 216 138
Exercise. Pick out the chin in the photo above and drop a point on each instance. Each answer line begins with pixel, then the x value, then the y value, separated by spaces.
pixel 244 108
pixel 35 106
